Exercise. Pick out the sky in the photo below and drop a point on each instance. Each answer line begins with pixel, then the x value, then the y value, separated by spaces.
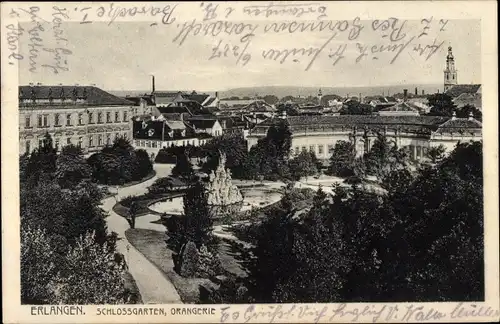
pixel 124 55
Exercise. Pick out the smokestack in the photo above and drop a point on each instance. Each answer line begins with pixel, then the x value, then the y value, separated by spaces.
pixel 405 94
pixel 216 95
pixel 423 92
pixel 416 91
pixel 152 84
pixel 359 97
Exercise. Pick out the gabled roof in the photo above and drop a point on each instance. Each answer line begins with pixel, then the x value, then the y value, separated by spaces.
pixel 199 98
pixel 458 89
pixel 137 100
pixel 473 99
pixel 459 124
pixel 89 94
pixel 174 109
pixel 402 106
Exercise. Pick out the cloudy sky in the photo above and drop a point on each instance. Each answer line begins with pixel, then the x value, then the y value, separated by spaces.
pixel 123 55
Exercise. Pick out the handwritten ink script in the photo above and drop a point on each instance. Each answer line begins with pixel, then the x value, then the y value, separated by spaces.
pixel 345 312
pixel 293 34
pixel 38 32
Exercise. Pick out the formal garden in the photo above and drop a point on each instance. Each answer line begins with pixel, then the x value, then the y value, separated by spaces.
pixel 296 218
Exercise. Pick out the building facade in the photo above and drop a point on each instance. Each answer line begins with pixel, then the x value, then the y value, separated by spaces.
pixel 319 134
pixel 85 116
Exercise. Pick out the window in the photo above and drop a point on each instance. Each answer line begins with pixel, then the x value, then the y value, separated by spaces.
pixel 330 148
pixel 40 120
pixel 68 141
pixel 99 140
pixel 320 149
pixel 137 143
pixel 108 139
pixel 40 142
pixel 99 118
pixel 28 146
pixel 27 123
pixel 68 120
pixel 419 152
pixel 153 144
pixel 125 116
pixel 43 120
pixel 80 119
pixel 108 117
pixel 311 148
pixel 117 117
pixel 57 143
pixel 91 118
pixel 91 140
pixel 80 142
pixel 148 144
pixel 57 120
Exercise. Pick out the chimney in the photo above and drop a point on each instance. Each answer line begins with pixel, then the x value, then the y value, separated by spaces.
pixel 471 115
pixel 416 91
pixel 153 84
pixel 405 94
pixel 423 92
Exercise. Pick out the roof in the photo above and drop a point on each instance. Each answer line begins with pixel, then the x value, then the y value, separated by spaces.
pixel 473 99
pixel 209 101
pixel 152 129
pixel 174 109
pixel 202 123
pixel 137 99
pixel 199 98
pixel 175 124
pixel 457 125
pixel 421 124
pixel 402 106
pixel 89 95
pixel 458 89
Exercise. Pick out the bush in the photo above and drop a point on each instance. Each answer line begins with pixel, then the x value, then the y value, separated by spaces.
pixel 165 156
pixel 210 264
pixel 189 260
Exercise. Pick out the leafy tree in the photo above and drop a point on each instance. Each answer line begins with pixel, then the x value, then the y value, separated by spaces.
pixel 41 164
pixel 342 159
pixel 356 108
pixel 38 267
pixel 91 275
pixel 436 153
pixel 467 110
pixel 441 105
pixel 235 149
pixel 271 99
pixel 183 168
pixel 144 165
pixel 303 165
pixel 71 167
pixel 197 221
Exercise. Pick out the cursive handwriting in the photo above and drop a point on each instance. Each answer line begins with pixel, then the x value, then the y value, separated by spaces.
pixel 295 10
pixel 346 313
pixel 113 12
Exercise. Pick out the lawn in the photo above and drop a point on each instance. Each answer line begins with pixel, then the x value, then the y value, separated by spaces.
pixel 152 245
pixel 143 201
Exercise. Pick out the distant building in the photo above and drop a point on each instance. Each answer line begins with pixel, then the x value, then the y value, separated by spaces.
pixel 85 116
pixel 319 134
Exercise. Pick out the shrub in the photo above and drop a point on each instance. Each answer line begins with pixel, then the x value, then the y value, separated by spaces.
pixel 189 260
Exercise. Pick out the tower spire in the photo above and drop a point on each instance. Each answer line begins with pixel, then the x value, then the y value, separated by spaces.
pixel 450 73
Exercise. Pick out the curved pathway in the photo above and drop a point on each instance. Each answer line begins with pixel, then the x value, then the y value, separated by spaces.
pixel 153 286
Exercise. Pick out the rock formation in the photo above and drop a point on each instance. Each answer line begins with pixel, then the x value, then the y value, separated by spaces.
pixel 221 191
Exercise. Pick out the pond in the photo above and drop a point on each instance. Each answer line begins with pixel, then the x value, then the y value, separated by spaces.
pixel 256 197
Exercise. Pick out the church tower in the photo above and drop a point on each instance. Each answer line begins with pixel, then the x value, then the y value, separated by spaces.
pixel 450 74
pixel 320 95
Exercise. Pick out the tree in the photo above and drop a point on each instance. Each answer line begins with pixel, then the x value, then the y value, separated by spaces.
pixel 468 110
pixel 271 99
pixel 342 159
pixel 91 275
pixel 197 220
pixel 354 107
pixel 235 149
pixel 71 167
pixel 133 211
pixel 41 164
pixel 441 105
pixel 38 267
pixel 144 165
pixel 436 153
pixel 303 165
pixel 183 168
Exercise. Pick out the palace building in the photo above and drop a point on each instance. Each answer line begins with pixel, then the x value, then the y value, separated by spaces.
pixel 85 116
pixel 319 134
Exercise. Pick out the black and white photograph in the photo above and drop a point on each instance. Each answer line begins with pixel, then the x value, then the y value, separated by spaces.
pixel 201 154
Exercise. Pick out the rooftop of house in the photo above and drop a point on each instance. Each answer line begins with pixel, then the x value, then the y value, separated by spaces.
pixel 425 124
pixel 459 89
pixel 137 99
pixel 89 95
pixel 401 106
pixel 202 123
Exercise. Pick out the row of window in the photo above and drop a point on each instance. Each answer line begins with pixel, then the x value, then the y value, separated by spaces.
pixel 100 141
pixel 312 148
pixel 43 120
pixel 157 144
